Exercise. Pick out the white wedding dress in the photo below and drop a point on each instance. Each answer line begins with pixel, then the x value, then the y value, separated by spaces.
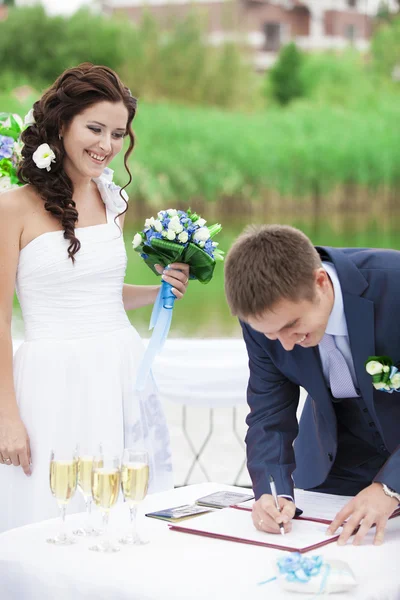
pixel 75 371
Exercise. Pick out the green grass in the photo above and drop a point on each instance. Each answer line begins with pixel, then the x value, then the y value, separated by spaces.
pixel 187 155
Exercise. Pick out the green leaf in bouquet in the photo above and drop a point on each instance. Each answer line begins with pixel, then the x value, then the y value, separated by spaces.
pixel 14 179
pixel 214 229
pixel 161 252
pixel 6 167
pixel 7 131
pixel 201 264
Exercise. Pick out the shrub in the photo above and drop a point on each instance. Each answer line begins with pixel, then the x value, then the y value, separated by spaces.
pixel 285 75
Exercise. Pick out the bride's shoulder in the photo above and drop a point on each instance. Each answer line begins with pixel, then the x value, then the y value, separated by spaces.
pixel 19 199
pixel 17 204
pixel 114 197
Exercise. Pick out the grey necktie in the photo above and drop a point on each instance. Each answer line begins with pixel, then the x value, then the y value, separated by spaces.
pixel 341 382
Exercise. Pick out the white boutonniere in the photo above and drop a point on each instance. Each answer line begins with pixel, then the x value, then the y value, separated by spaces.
pixel 385 376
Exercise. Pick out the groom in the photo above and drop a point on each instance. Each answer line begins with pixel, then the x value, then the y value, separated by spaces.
pixel 311 317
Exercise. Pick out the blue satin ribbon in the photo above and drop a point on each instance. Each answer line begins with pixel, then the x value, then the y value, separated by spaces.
pixel 160 322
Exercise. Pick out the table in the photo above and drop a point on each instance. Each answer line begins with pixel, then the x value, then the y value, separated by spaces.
pixel 173 566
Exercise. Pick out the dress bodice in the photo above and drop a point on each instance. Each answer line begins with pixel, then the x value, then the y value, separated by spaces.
pixel 65 300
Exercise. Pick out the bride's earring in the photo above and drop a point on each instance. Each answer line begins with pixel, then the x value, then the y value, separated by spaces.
pixel 59 136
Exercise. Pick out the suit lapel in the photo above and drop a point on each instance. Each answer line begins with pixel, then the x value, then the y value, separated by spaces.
pixel 311 377
pixel 359 313
pixel 360 324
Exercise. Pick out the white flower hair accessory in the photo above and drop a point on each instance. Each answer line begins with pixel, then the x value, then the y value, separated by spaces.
pixel 29 119
pixel 43 157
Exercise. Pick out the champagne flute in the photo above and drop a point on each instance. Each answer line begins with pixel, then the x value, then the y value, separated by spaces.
pixel 134 482
pixel 85 467
pixel 63 482
pixel 106 480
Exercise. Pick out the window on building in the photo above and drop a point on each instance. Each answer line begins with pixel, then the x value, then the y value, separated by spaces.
pixel 273 36
pixel 350 33
pixel 352 3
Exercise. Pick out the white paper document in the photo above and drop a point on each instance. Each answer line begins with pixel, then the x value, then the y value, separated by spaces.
pixel 314 504
pixel 235 524
pixel 320 506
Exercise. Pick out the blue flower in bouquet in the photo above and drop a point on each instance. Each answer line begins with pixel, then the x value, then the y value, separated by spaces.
pixel 6 146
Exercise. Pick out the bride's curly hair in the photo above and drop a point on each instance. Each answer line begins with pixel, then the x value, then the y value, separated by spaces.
pixel 73 92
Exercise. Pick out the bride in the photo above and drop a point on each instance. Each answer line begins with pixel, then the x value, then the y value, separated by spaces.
pixel 61 246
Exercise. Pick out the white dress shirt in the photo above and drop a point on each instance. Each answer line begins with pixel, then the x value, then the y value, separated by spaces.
pixel 337 327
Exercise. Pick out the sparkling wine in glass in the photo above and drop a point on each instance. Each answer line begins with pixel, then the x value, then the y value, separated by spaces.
pixel 134 483
pixel 106 481
pixel 63 482
pixel 85 467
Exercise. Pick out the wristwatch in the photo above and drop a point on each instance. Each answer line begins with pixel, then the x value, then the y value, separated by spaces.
pixel 389 492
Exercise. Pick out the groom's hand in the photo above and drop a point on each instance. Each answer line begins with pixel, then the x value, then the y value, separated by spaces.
pixel 370 507
pixel 266 517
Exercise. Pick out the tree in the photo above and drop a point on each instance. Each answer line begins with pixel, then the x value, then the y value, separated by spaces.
pixel 285 76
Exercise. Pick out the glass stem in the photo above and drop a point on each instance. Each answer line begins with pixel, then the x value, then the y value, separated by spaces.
pixel 63 510
pixel 88 502
pixel 106 540
pixel 133 512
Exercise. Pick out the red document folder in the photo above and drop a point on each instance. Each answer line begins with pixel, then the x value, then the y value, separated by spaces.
pixel 284 541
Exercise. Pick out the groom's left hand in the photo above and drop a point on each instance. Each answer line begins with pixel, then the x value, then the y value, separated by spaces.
pixel 370 507
pixel 177 275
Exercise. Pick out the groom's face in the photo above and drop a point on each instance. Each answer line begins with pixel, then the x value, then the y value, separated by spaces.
pixel 300 322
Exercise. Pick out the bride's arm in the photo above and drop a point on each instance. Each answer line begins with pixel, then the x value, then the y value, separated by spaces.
pixel 136 296
pixel 14 442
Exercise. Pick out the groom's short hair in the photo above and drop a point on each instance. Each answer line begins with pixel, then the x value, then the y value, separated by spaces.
pixel 268 263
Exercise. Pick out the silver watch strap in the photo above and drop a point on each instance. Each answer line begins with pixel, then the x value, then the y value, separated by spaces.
pixel 391 493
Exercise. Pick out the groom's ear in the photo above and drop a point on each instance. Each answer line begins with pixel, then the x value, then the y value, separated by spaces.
pixel 321 278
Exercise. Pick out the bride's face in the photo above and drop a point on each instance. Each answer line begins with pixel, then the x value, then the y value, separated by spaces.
pixel 93 138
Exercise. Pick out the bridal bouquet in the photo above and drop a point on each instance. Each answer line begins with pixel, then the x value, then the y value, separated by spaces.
pixel 174 236
pixel 11 127
pixel 178 236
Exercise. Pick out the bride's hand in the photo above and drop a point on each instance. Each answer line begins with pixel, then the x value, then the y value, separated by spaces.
pixel 178 276
pixel 14 444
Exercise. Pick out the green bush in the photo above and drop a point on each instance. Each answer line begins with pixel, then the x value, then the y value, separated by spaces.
pixel 285 75
pixel 39 47
pixel 177 64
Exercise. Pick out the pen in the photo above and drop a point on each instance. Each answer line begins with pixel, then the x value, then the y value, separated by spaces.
pixel 275 497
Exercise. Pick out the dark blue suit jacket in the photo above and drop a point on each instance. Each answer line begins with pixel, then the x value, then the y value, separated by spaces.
pixel 370 282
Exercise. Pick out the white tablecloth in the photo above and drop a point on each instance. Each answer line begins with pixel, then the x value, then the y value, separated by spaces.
pixel 173 565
